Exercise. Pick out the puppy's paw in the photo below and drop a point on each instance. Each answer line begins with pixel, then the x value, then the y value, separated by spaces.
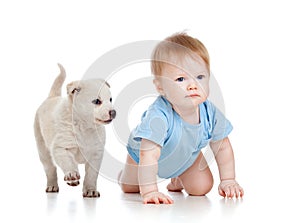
pixel 52 189
pixel 72 178
pixel 91 193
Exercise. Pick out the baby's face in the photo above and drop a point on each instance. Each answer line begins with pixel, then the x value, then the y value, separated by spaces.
pixel 184 87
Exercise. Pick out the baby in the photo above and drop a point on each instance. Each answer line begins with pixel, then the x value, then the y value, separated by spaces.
pixel 181 121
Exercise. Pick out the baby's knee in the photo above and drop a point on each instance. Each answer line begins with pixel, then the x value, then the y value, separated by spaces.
pixel 199 189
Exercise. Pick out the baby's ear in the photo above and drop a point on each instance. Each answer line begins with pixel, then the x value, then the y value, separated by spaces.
pixel 158 86
pixel 73 87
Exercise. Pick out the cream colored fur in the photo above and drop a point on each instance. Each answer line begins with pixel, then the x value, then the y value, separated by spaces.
pixel 69 131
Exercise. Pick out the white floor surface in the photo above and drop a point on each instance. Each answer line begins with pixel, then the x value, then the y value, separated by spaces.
pixel 24 200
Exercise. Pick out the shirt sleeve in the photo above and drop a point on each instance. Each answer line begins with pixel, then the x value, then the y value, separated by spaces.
pixel 153 127
pixel 221 127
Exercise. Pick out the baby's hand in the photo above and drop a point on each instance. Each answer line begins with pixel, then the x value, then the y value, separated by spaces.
pixel 230 188
pixel 156 198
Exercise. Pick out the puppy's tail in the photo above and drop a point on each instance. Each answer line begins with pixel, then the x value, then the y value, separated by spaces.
pixel 58 82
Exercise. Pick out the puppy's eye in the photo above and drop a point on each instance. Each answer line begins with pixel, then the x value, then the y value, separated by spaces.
pixel 97 102
pixel 110 99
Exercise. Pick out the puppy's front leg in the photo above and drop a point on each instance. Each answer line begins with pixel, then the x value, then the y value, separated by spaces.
pixel 65 160
pixel 92 167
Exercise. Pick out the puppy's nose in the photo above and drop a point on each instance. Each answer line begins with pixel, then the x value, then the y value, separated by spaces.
pixel 112 114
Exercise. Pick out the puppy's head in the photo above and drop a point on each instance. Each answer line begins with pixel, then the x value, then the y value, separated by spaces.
pixel 91 100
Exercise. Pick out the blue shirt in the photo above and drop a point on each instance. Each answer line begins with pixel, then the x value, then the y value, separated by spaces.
pixel 180 141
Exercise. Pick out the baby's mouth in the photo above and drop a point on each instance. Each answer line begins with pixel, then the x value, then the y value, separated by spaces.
pixel 192 96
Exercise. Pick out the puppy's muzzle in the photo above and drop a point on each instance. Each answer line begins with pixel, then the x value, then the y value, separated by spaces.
pixel 112 114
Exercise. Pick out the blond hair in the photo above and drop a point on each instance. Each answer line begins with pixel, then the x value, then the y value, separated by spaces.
pixel 177 47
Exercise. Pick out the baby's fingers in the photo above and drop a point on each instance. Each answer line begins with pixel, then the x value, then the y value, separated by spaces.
pixel 166 200
pixel 221 192
pixel 239 192
pixel 232 192
pixel 157 198
pixel 230 189
pixel 150 200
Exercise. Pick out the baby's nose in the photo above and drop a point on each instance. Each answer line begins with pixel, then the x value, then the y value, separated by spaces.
pixel 192 86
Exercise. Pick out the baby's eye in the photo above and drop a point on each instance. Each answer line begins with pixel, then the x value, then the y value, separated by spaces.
pixel 110 99
pixel 180 79
pixel 200 77
pixel 97 102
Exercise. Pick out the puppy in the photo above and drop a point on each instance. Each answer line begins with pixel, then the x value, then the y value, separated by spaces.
pixel 70 131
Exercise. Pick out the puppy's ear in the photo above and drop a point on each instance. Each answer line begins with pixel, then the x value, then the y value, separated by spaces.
pixel 73 87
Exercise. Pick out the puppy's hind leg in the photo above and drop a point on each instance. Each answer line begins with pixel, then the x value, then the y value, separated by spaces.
pixel 65 160
pixel 46 160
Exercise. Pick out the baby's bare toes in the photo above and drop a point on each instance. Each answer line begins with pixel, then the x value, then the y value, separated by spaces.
pixel 52 189
pixel 91 193
pixel 173 188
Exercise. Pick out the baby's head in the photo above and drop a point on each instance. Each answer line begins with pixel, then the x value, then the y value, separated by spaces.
pixel 177 50
pixel 180 65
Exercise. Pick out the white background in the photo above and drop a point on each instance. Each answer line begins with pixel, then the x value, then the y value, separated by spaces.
pixel 254 49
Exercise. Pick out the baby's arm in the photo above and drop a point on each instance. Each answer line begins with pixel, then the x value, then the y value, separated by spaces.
pixel 225 160
pixel 148 168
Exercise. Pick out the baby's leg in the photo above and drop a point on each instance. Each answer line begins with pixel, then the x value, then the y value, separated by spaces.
pixel 197 180
pixel 128 177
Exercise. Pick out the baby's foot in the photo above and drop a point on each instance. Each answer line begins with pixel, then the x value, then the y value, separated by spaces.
pixel 175 185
